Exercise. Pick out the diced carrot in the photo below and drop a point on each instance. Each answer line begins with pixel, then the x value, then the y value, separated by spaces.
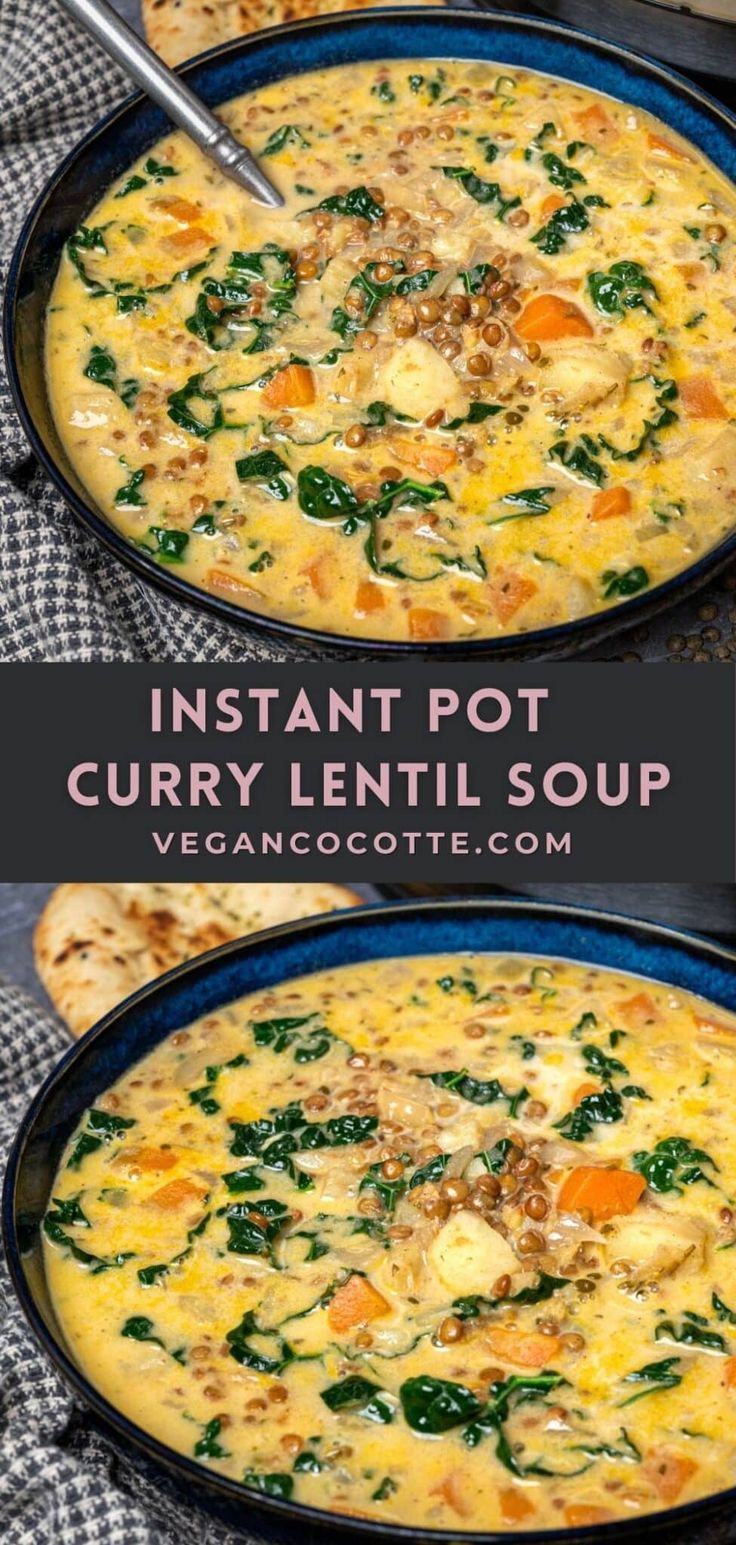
pixel 432 459
pixel 669 1473
pixel 146 1159
pixel 595 123
pixel 583 1090
pixel 515 1507
pixel 552 203
pixel 610 502
pixel 178 1193
pixel 604 1193
pixel 578 1514
pixel 451 1492
pixel 320 578
pixel 700 399
pixel 729 1372
pixel 665 149
pixel 357 1302
pixel 221 579
pixel 550 316
pixel 530 1350
pixel 292 387
pixel 178 208
pixel 707 1025
pixel 368 598
pixel 191 239
pixel 426 624
pixel 639 1011
pixel 508 592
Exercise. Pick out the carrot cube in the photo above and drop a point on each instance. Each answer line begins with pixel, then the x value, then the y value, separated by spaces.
pixel 357 1302
pixel 548 317
pixel 291 387
pixel 602 1192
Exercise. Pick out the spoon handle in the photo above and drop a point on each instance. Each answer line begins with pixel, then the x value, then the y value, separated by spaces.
pixel 177 100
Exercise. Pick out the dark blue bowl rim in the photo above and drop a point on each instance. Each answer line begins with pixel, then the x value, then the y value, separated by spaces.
pixel 561 637
pixel 357 918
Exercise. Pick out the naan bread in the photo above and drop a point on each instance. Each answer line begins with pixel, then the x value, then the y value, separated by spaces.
pixel 178 29
pixel 96 944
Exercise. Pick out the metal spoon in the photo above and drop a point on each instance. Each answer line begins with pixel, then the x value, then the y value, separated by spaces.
pixel 178 102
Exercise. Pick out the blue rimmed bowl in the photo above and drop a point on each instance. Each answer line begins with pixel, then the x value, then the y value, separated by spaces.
pixel 261 961
pixel 255 61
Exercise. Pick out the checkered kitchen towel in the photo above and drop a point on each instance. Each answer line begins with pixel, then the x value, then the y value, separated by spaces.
pixel 62 597
pixel 61 1483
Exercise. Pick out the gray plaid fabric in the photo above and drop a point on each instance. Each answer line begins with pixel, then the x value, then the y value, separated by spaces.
pixel 61 1483
pixel 61 596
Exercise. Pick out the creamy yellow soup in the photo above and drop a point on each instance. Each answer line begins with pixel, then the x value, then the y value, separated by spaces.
pixel 477 377
pixel 446 1241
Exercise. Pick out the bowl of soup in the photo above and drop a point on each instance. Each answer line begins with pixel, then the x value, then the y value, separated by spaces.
pixel 418 1220
pixel 471 391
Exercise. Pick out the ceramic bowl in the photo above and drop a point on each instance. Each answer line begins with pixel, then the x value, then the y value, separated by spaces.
pixel 250 62
pixel 256 963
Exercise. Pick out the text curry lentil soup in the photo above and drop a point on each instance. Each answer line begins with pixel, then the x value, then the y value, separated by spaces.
pixel 488 1284
pixel 477 377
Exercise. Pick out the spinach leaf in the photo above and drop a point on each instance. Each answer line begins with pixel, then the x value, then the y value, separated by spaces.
pixel 208 1447
pixel 560 173
pixel 477 413
pixel 131 185
pixel 358 203
pixel 478 1091
pixel 657 1376
pixel 691 1332
pixel 323 496
pixel 239 1340
pixel 527 502
pixel 587 1022
pixel 385 1490
pixel 254 1227
pixel 170 545
pixel 578 457
pixel 474 278
pixel 390 1191
pixel 372 292
pixel 383 91
pixel 288 134
pixel 307 1463
pixel 665 392
pixel 378 414
pixel 504 1397
pixel 245 1179
pixel 102 369
pixel 537 1293
pixel 223 322
pixel 722 1310
pixel 282 1033
pixel 182 413
pixel 624 287
pixel 628 1449
pixel 101 1127
pixel 674 1163
pixel 601 1065
pixel 139 1328
pixel 63 1215
pixel 624 584
pixel 204 1097
pixel 482 192
pixel 433 1170
pixel 129 496
pixel 432 1405
pixel 606 1106
pixel 568 221
pixel 358 1394
pixel 414 282
pixel 274 1485
pixel 267 468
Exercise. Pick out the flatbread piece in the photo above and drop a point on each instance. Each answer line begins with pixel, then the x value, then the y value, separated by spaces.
pixel 96 944
pixel 179 29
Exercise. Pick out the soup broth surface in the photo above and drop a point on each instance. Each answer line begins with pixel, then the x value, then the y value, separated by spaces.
pixel 445 1241
pixel 476 377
